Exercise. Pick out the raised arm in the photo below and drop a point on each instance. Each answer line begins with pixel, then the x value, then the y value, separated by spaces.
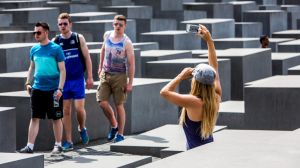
pixel 212 57
pixel 87 60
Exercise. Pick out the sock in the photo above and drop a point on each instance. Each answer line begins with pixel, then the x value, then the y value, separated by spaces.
pixel 30 145
pixel 57 143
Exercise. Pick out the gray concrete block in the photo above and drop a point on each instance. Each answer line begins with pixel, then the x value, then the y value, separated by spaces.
pixel 84 16
pixel 14 160
pixel 96 29
pixel 191 15
pixel 13 81
pixel 226 43
pixel 131 12
pixel 6 20
pixel 275 41
pixel 287 34
pixel 281 62
pixel 94 45
pixel 232 114
pixel 23 16
pixel 293 15
pixel 13 36
pixel 105 161
pixel 45 138
pixel 272 20
pixel 173 39
pixel 292 2
pixel 14 4
pixel 272 103
pixel 7 129
pixel 268 7
pixel 197 53
pixel 294 70
pixel 248 29
pixel 146 46
pixel 69 7
pixel 171 68
pixel 219 28
pixel 15 56
pixel 240 6
pixel 169 137
pixel 213 10
pixel 242 63
pixel 290 46
pixel 240 148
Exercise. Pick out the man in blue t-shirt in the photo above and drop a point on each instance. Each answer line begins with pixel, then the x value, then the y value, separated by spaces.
pixel 47 68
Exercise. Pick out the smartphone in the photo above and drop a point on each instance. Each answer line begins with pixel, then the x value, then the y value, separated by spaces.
pixel 191 28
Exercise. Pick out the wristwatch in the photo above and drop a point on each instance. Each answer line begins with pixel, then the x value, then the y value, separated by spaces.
pixel 60 89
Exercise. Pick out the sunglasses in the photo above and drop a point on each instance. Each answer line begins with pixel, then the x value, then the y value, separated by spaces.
pixel 120 24
pixel 64 23
pixel 37 33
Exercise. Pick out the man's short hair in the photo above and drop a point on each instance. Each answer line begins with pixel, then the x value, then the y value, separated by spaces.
pixel 121 18
pixel 65 16
pixel 44 25
pixel 262 38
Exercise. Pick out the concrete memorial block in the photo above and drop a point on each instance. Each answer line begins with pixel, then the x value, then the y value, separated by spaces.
pixel 197 53
pixel 73 7
pixel 173 39
pixel 294 70
pixel 293 15
pixel 131 12
pixel 94 45
pixel 191 15
pixel 170 138
pixel 237 42
pixel 13 81
pixel 45 138
pixel 290 46
pixel 33 15
pixel 110 2
pixel 242 63
pixel 268 7
pixel 171 68
pixel 155 55
pixel 105 161
pixel 19 36
pixel 240 6
pixel 248 29
pixel 84 16
pixel 292 2
pixel 219 28
pixel 240 148
pixel 15 56
pixel 143 46
pixel 272 20
pixel 213 10
pixel 281 62
pixel 7 129
pixel 273 42
pixel 287 34
pixel 232 114
pixel 6 20
pixel 14 160
pixel 15 4
pixel 96 28
pixel 272 103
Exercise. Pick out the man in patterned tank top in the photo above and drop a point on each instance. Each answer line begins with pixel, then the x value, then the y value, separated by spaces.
pixel 116 72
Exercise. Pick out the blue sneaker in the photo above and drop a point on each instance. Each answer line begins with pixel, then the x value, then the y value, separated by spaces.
pixel 112 133
pixel 119 138
pixel 67 146
pixel 84 136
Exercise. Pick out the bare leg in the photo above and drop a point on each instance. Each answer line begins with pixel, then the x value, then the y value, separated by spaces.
pixel 80 111
pixel 57 129
pixel 33 130
pixel 121 118
pixel 109 113
pixel 67 119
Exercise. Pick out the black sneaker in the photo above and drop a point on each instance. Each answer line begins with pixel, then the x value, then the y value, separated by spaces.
pixel 57 150
pixel 26 149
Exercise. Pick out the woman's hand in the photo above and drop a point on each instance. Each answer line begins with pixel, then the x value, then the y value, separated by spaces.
pixel 186 73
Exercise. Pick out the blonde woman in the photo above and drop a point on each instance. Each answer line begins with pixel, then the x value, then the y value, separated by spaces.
pixel 201 105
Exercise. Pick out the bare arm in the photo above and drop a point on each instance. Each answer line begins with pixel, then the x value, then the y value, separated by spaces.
pixel 88 62
pixel 212 57
pixel 29 76
pixel 62 78
pixel 182 100
pixel 102 53
pixel 131 65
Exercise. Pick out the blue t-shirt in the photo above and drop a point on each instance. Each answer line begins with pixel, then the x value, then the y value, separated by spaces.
pixel 45 58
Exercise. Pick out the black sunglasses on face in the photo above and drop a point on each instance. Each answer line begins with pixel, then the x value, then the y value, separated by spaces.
pixel 64 23
pixel 120 24
pixel 37 33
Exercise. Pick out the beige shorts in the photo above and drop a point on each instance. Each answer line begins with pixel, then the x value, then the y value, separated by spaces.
pixel 112 84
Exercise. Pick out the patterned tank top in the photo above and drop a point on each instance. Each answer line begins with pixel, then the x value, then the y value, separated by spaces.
pixel 115 58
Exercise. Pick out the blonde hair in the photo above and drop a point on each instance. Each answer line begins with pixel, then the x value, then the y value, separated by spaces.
pixel 65 16
pixel 209 109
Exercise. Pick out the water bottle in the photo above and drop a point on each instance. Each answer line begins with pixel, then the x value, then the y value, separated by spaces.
pixel 55 101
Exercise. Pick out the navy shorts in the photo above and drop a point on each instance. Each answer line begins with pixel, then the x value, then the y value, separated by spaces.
pixel 42 105
pixel 74 89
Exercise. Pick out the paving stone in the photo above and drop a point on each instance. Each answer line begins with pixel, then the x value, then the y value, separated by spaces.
pixel 13 160
pixel 281 62
pixel 290 46
pixel 226 43
pixel 7 129
pixel 232 114
pixel 248 29
pixel 271 103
